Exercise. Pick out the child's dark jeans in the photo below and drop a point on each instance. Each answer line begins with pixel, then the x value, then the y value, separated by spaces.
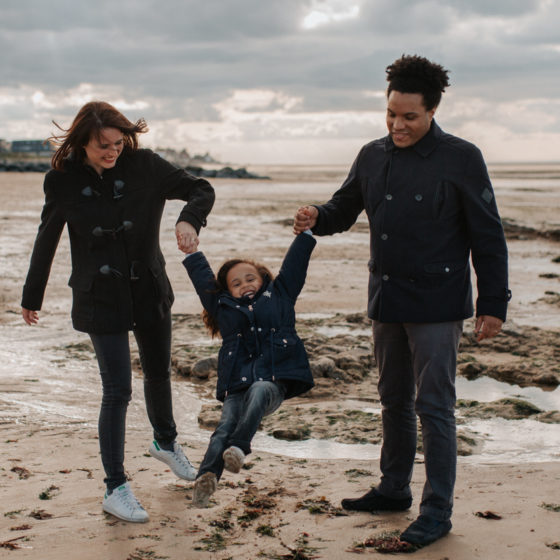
pixel 241 415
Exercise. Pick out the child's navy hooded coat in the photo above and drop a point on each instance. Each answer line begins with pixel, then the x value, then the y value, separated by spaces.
pixel 259 340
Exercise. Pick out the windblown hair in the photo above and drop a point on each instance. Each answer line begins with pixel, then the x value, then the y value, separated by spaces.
pixel 416 74
pixel 210 321
pixel 88 123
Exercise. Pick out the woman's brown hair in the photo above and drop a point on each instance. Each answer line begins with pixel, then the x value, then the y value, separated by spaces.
pixel 211 321
pixel 88 123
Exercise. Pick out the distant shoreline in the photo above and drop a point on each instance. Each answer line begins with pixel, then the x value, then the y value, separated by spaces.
pixel 42 165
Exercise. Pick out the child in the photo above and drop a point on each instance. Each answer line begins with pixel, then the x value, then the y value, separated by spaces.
pixel 262 360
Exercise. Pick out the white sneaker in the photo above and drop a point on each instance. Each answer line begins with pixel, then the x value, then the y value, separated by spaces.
pixel 233 459
pixel 123 504
pixel 175 460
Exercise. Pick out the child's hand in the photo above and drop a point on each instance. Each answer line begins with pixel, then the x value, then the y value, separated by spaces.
pixel 305 218
pixel 187 238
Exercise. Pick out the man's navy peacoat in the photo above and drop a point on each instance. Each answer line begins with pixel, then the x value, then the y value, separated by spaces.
pixel 430 208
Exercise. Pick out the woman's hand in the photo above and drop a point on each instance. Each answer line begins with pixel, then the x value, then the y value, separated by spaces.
pixel 30 317
pixel 187 238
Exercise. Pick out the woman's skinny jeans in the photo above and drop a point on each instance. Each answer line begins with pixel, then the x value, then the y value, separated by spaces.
pixel 113 356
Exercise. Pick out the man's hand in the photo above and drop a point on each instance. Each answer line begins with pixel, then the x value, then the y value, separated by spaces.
pixel 305 218
pixel 487 327
pixel 187 238
pixel 29 316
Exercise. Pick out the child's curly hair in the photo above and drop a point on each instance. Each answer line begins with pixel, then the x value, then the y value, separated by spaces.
pixel 416 74
pixel 210 321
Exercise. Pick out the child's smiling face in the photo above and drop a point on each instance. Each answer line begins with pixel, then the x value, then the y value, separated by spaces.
pixel 243 279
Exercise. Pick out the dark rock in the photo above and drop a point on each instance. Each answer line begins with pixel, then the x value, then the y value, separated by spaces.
pixel 25 166
pixel 550 417
pixel 226 172
pixel 547 379
pixel 205 368
pixel 295 434
pixel 471 370
pixel 209 416
pixel 326 367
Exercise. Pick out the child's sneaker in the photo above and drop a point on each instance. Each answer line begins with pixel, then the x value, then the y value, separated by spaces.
pixel 233 459
pixel 123 504
pixel 175 460
pixel 204 486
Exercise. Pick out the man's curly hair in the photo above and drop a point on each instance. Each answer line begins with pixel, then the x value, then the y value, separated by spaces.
pixel 416 74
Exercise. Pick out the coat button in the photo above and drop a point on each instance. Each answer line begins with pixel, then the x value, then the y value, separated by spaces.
pixel 259 329
pixel 446 269
pixel 418 197
pixel 389 196
pixel 384 236
pixel 385 277
pixel 260 378
pixel 252 328
pixel 243 379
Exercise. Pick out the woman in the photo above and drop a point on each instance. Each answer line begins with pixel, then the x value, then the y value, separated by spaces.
pixel 111 196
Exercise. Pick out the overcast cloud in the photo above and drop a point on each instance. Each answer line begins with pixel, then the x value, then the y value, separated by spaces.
pixel 267 81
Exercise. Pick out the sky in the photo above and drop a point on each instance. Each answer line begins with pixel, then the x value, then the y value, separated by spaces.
pixel 282 81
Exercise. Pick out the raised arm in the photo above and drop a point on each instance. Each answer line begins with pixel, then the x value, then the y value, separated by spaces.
pixel 293 271
pixel 203 280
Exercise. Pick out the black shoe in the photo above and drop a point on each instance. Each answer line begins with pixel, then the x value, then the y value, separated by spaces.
pixel 374 501
pixel 426 530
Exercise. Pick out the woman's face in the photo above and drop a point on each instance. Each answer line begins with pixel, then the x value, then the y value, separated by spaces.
pixel 102 153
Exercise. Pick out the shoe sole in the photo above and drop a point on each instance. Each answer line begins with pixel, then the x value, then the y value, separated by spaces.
pixel 232 462
pixel 122 518
pixel 207 488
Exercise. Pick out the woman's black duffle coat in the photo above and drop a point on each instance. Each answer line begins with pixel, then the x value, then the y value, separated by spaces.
pixel 259 337
pixel 118 275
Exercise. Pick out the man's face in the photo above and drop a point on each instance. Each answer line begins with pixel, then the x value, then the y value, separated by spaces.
pixel 407 118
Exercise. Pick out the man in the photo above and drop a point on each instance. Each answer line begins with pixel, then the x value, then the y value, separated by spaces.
pixel 430 206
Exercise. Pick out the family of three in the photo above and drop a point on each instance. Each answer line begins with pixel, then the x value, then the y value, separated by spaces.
pixel 431 210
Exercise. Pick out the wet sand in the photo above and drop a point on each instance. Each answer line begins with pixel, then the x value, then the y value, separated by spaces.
pixel 288 498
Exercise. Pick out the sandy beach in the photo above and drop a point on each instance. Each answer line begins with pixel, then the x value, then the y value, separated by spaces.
pixel 316 450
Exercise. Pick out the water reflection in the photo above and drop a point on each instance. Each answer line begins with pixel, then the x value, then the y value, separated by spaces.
pixel 486 389
pixel 58 389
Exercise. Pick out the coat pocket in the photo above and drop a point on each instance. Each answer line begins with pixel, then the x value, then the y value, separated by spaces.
pixel 284 348
pixel 83 305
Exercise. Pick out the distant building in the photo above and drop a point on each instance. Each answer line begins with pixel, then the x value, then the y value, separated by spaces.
pixel 31 147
